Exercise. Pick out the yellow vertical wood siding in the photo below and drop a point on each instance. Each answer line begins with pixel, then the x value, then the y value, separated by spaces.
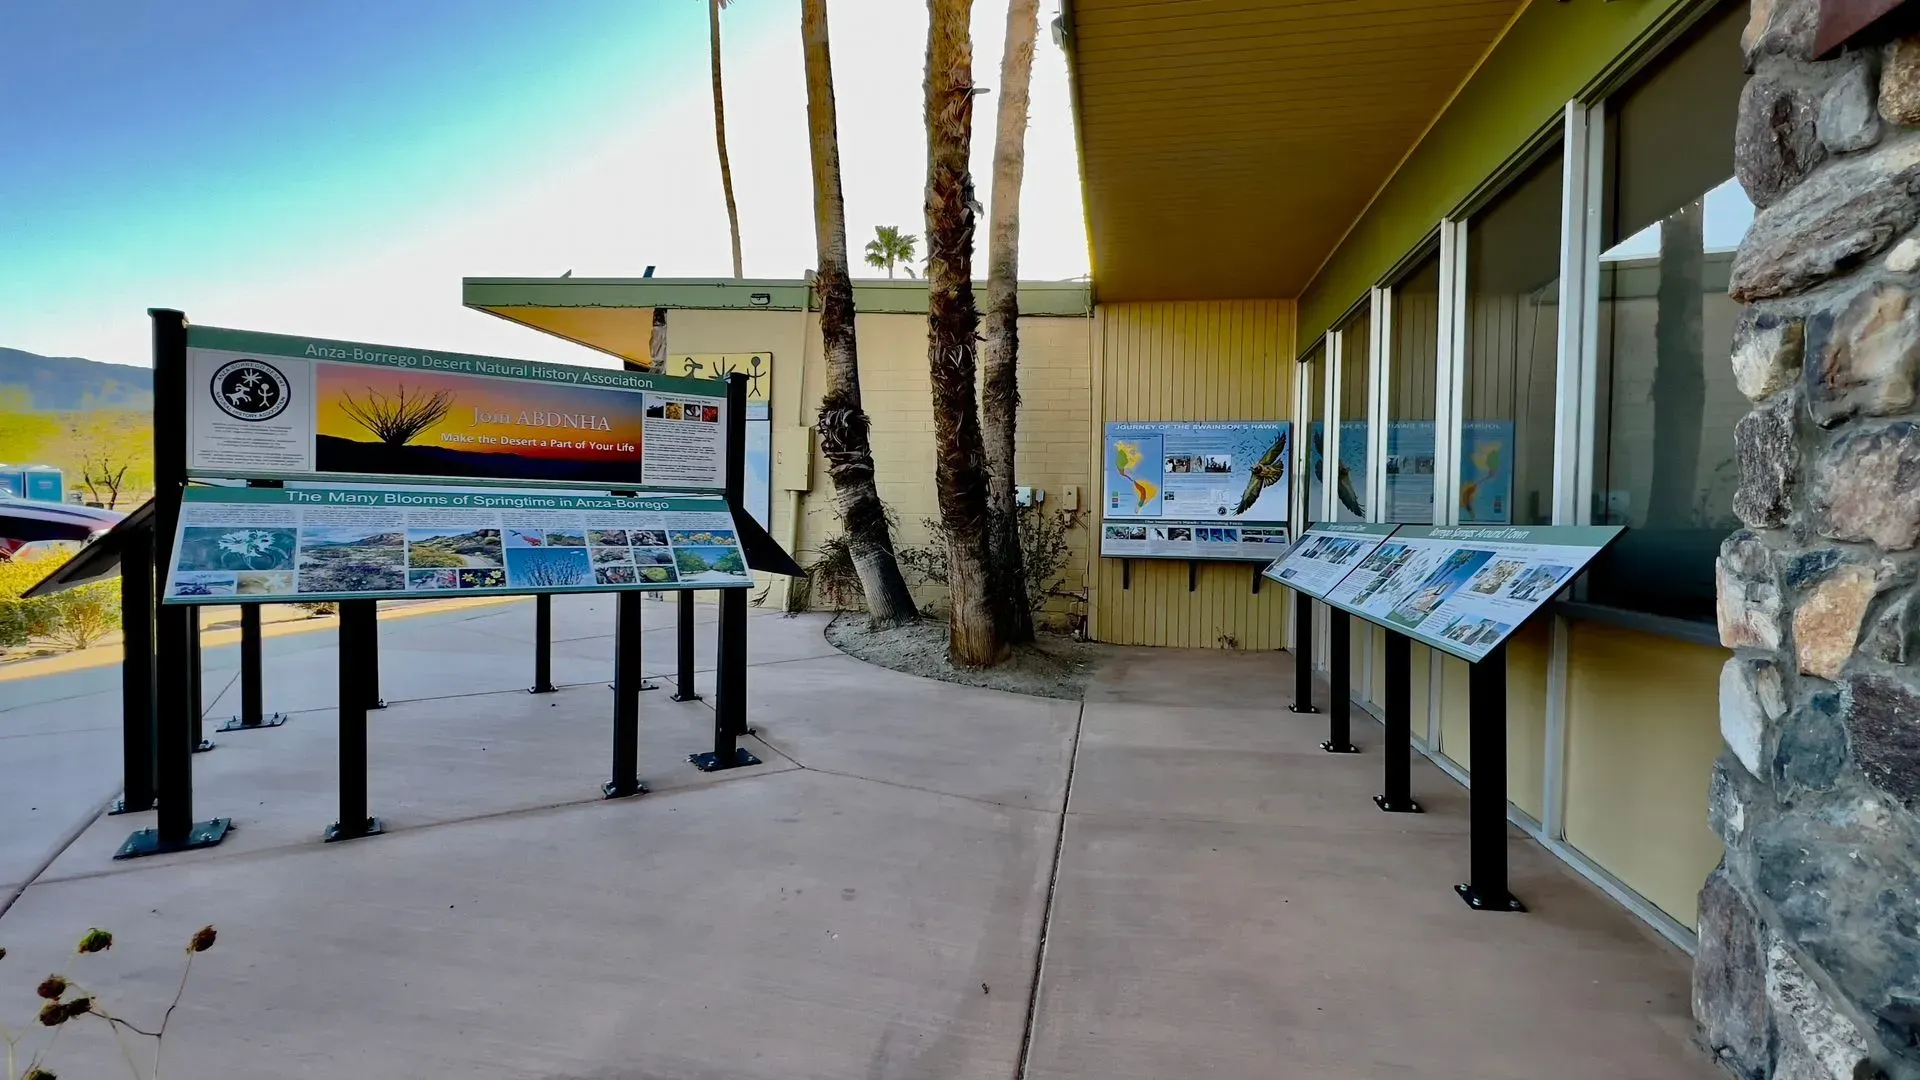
pixel 1201 360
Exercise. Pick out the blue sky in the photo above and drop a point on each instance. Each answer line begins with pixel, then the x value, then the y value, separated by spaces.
pixel 334 167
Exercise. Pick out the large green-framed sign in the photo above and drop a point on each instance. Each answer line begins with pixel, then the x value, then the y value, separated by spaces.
pixel 1465 589
pixel 273 545
pixel 267 406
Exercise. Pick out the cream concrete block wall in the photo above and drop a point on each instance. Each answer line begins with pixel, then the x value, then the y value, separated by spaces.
pixel 1055 422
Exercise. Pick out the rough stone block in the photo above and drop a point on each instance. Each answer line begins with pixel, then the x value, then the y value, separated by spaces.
pixel 1904 256
pixel 1883 725
pixel 1811 752
pixel 1864 359
pixel 1847 120
pixel 1748 611
pixel 1766 352
pixel 1767 452
pixel 1751 700
pixel 1900 81
pixel 1827 623
pixel 1727 801
pixel 1829 223
pixel 1867 487
pixel 1780 28
pixel 1776 140
pixel 1815 1041
pixel 1890 638
pixel 1729 980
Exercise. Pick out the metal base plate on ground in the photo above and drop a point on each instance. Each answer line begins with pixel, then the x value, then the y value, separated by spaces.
pixel 1332 749
pixel 645 685
pixel 1392 807
pixel 120 807
pixel 1302 709
pixel 236 724
pixel 547 688
pixel 711 763
pixel 378 703
pixel 147 841
pixel 373 827
pixel 614 791
pixel 677 696
pixel 1504 902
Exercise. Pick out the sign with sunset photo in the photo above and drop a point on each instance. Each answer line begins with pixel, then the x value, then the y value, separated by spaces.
pixel 264 405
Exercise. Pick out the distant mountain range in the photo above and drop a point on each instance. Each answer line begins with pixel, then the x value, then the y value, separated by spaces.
pixel 67 383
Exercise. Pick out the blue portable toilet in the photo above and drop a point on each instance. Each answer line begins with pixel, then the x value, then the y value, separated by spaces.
pixel 44 483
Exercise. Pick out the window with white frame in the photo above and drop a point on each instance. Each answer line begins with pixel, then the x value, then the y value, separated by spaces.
pixel 1412 373
pixel 1672 217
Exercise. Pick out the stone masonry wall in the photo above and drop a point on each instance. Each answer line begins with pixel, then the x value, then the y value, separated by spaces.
pixel 1809 956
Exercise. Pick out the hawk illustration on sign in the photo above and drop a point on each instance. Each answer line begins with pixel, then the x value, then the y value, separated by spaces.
pixel 1268 471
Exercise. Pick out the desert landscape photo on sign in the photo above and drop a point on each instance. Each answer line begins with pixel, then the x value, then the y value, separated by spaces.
pixel 379 422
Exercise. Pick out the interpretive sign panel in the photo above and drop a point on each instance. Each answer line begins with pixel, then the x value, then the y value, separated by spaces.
pixel 1463 589
pixel 264 545
pixel 1328 552
pixel 271 406
pixel 1198 490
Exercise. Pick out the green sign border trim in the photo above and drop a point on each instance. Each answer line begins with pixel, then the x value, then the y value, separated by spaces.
pixel 443 594
pixel 408 359
pixel 563 500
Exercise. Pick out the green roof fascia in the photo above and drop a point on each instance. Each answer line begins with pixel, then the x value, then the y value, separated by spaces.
pixel 909 297
pixel 1553 53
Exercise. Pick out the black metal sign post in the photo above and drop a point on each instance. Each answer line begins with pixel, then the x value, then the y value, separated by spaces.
pixel 1397 796
pixel 542 645
pixel 173 730
pixel 136 674
pixel 628 675
pixel 1487 795
pixel 683 689
pixel 730 674
pixel 196 684
pixel 357 647
pixel 1339 683
pixel 1302 654
pixel 370 655
pixel 252 711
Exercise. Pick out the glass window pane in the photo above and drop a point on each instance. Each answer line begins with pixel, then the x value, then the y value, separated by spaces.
pixel 1512 349
pixel 1412 366
pixel 1350 503
pixel 1667 402
pixel 1313 376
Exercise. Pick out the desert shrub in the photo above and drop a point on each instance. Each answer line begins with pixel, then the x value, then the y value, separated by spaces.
pixel 1046 545
pixel 84 615
pixel 23 621
pixel 831 578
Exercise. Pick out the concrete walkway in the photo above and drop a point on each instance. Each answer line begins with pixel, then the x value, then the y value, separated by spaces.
pixel 923 880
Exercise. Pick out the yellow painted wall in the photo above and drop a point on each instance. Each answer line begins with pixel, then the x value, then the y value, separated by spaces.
pixel 1527 654
pixel 1643 731
pixel 1201 360
pixel 1054 431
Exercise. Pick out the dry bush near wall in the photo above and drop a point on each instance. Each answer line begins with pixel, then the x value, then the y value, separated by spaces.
pixel 1046 546
pixel 74 619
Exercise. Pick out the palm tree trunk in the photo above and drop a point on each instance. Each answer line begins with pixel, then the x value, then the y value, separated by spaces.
pixel 1000 391
pixel 960 469
pixel 720 130
pixel 842 421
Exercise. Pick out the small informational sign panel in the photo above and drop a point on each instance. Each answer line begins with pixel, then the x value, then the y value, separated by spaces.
pixel 1328 552
pixel 270 406
pixel 1464 589
pixel 273 545
pixel 757 495
pixel 1196 490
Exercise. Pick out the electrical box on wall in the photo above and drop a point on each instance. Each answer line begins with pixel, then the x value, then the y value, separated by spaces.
pixel 1029 496
pixel 1070 497
pixel 793 459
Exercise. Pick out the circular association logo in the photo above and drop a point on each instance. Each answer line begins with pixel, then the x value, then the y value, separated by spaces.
pixel 251 390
